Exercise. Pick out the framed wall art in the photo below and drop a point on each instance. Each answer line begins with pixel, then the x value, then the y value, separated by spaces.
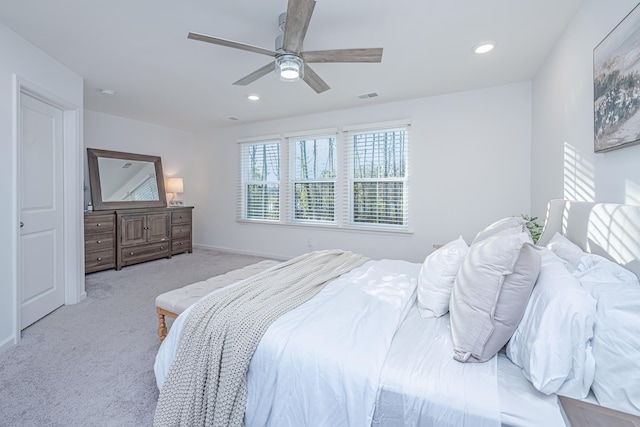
pixel 616 86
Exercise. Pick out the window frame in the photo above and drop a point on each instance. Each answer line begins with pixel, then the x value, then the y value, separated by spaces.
pixel 350 135
pixel 294 180
pixel 244 211
pixel 343 190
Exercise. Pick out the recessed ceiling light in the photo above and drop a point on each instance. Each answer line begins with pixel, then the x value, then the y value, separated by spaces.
pixel 253 97
pixel 108 92
pixel 484 47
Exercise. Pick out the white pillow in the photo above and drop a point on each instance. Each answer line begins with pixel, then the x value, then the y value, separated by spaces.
pixel 552 344
pixel 513 224
pixel 436 278
pixel 567 250
pixel 490 294
pixel 597 269
pixel 616 346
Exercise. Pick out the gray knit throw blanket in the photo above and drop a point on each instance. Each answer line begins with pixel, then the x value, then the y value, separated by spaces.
pixel 206 384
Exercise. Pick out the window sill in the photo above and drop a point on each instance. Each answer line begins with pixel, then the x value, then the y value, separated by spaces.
pixel 334 227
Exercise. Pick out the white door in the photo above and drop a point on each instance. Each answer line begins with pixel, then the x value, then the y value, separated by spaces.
pixel 41 259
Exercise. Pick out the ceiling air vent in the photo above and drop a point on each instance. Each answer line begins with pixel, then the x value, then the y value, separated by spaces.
pixel 368 95
pixel 233 118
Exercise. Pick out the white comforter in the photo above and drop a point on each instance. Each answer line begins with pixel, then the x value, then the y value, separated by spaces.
pixel 321 363
pixel 422 385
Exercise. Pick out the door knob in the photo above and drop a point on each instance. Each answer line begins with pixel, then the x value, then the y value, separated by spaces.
pixel 21 224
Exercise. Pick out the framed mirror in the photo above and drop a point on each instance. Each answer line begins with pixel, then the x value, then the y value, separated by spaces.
pixel 125 180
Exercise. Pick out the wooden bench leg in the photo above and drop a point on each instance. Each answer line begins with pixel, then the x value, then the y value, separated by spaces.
pixel 162 326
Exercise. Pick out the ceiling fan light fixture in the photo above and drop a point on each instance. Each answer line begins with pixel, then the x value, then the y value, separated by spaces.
pixel 290 67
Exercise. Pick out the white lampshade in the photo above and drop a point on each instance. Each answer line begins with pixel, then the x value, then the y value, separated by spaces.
pixel 174 185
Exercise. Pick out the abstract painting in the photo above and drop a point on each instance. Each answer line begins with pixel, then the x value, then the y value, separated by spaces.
pixel 616 86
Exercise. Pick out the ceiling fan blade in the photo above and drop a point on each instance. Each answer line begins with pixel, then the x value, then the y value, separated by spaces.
pixel 229 43
pixel 256 74
pixel 314 80
pixel 343 55
pixel 296 24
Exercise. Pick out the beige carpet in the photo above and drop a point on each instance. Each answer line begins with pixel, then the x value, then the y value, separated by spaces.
pixel 91 364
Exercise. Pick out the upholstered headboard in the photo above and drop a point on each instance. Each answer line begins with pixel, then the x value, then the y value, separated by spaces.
pixel 606 229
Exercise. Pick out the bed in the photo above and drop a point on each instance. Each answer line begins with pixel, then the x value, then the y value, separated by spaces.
pixel 368 350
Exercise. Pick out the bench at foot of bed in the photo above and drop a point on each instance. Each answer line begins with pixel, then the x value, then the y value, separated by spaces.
pixel 174 302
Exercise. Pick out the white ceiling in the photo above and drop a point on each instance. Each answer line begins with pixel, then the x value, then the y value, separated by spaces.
pixel 139 48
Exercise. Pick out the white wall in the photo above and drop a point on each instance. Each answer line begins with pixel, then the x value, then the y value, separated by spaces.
pixel 469 162
pixel 19 57
pixel 175 147
pixel 563 162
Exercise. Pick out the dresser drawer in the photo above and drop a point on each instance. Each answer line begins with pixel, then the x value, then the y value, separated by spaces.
pixel 99 260
pixel 180 231
pixel 99 242
pixel 181 217
pixel 99 223
pixel 141 252
pixel 180 245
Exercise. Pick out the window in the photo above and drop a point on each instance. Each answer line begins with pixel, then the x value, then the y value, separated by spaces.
pixel 378 177
pixel 356 179
pixel 260 164
pixel 314 178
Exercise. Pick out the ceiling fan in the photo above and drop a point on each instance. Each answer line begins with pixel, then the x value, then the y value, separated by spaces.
pixel 290 61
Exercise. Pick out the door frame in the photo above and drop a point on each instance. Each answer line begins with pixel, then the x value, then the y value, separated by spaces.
pixel 73 200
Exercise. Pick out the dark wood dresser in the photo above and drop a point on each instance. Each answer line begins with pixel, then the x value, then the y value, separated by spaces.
pixel 99 241
pixel 114 239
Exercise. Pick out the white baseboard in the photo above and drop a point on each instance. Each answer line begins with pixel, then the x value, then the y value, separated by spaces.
pixel 7 343
pixel 241 252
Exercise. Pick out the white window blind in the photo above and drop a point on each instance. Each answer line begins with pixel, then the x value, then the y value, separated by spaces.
pixel 377 161
pixel 260 180
pixel 313 178
pixel 147 190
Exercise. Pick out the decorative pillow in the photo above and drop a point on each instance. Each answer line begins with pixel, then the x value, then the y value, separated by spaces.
pixel 513 224
pixel 616 346
pixel 490 294
pixel 567 250
pixel 597 269
pixel 552 343
pixel 436 278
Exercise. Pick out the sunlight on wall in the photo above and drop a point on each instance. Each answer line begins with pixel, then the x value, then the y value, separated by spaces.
pixel 614 230
pixel 632 193
pixel 578 175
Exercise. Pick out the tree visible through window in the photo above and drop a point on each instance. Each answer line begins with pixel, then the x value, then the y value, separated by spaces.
pixel 314 179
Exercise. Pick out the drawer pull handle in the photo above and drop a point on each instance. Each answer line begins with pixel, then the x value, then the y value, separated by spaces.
pixel 181 243
pixel 99 259
pixel 99 241
pixel 161 247
pixel 98 225
pixel 130 253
